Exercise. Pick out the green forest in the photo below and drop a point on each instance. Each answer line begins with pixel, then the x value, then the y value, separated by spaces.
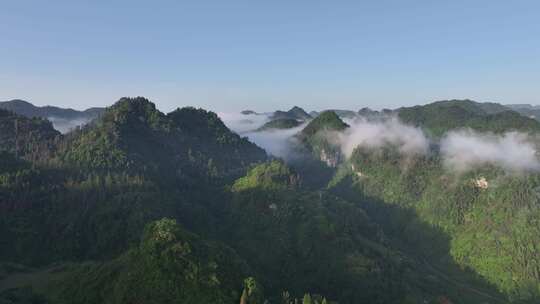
pixel 141 206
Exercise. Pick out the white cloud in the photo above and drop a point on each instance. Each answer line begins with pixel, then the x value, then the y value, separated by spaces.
pixel 465 149
pixel 277 142
pixel 375 134
pixel 65 125
pixel 241 123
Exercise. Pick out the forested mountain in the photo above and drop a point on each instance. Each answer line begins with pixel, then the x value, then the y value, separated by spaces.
pixel 146 207
pixel 316 137
pixel 29 138
pixel 63 119
pixel 282 123
pixel 134 135
pixel 294 113
pixel 442 116
pixel 27 109
pixel 526 110
pixel 340 113
pixel 489 218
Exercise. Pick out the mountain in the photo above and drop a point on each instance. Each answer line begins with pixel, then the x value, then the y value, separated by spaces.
pixel 523 106
pixel 344 113
pixel 63 119
pixel 249 112
pixel 326 121
pixel 168 265
pixel 483 220
pixel 442 116
pixel 146 207
pixel 282 123
pixel 370 114
pixel 190 141
pixel 27 109
pixel 30 138
pixel 340 113
pixel 316 137
pixel 313 114
pixel 526 110
pixel 294 113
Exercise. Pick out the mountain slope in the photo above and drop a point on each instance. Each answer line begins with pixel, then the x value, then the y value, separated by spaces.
pixel 134 134
pixel 294 113
pixel 487 220
pixel 439 117
pixel 315 138
pixel 326 121
pixel 63 119
pixel 31 138
pixel 27 109
pixel 134 165
pixel 147 207
pixel 169 265
pixel 279 124
pixel 526 110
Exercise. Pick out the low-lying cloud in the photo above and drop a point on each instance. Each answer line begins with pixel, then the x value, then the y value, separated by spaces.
pixel 376 134
pixel 278 142
pixel 465 149
pixel 65 125
pixel 460 150
pixel 242 123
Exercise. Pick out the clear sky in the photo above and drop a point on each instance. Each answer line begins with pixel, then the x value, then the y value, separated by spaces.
pixel 264 55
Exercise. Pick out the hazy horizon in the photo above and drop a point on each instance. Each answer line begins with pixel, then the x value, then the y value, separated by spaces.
pixel 269 109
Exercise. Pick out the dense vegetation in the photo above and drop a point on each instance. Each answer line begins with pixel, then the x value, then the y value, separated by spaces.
pixel 28 110
pixel 490 218
pixel 316 138
pixel 294 113
pixel 526 110
pixel 439 117
pixel 283 123
pixel 147 207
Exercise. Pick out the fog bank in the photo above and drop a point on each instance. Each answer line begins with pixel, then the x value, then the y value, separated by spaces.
pixel 375 134
pixel 65 125
pixel 242 123
pixel 466 149
pixel 278 142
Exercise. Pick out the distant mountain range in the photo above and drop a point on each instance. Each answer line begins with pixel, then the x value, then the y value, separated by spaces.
pixel 63 119
pixel 528 110
pixel 29 110
pixel 460 110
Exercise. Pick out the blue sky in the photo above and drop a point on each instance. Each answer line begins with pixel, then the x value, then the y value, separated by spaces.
pixel 264 55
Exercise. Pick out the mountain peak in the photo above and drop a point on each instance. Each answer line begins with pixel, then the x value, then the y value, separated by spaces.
pixel 327 120
pixel 294 113
pixel 133 133
pixel 19 102
pixel 197 120
pixel 249 112
pixel 282 123
pixel 299 113
pixel 134 111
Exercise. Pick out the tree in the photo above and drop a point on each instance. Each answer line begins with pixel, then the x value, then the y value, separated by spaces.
pixel 252 293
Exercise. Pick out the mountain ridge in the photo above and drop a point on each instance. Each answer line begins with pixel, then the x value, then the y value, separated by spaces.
pixel 145 206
